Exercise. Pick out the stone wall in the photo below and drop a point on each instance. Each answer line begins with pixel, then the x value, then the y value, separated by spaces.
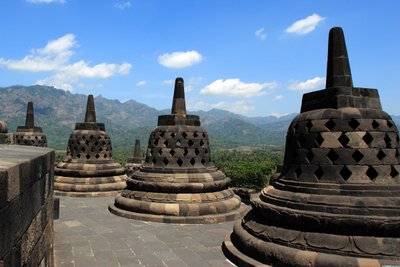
pixel 26 206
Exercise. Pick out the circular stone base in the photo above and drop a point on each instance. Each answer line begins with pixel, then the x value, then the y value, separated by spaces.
pixel 236 256
pixel 280 255
pixel 211 218
pixel 86 194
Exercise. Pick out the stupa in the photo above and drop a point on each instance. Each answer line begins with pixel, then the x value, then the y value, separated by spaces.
pixel 30 135
pixel 5 136
pixel 337 200
pixel 88 169
pixel 134 164
pixel 178 182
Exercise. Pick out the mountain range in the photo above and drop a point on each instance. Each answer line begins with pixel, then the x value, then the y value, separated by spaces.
pixel 56 111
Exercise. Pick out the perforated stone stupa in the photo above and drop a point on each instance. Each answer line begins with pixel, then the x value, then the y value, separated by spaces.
pixel 88 168
pixel 134 164
pixel 178 182
pixel 337 199
pixel 30 135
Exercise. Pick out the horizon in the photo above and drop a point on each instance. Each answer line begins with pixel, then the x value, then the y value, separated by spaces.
pixel 250 61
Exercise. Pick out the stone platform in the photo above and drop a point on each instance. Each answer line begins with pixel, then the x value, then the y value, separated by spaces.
pixel 87 234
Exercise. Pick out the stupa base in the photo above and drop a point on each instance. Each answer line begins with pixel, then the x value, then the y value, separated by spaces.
pixel 244 249
pixel 204 219
pixel 89 186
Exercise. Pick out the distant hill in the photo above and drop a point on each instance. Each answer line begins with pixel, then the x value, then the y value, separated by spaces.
pixel 58 110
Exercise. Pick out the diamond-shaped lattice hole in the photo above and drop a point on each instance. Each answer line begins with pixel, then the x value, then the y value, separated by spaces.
pixel 397 154
pixel 154 160
pixel 184 134
pixel 192 161
pixel 97 156
pixel 166 143
pixel 309 125
pixel 332 156
pixel 389 124
pixel 185 151
pixel 380 154
pixel 178 143
pixel 83 149
pixel 353 123
pixel 87 142
pixel 190 143
pixel 375 124
pixel 204 135
pixel 368 138
pixel 165 161
pixel 96 143
pixel 195 134
pixel 205 151
pixel 172 152
pixel 105 155
pixel 160 152
pixel 78 155
pixel 100 149
pixel 330 124
pixel 393 172
pixel 202 143
pixel 203 161
pixel 162 134
pixel 344 140
pixel 388 141
pixel 196 151
pixel 319 173
pixel 345 173
pixel 309 156
pixel 173 135
pixel 372 173
pixel 91 137
pixel 357 156
pixel 87 156
pixel 319 139
pixel 301 141
pixel 298 171
pixel 179 162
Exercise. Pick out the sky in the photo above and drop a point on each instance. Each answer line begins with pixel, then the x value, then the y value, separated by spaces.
pixel 251 57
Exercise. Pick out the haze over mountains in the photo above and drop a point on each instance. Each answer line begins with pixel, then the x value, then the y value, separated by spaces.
pixel 58 110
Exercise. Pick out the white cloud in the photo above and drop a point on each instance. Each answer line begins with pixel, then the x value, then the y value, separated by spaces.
pixel 46 1
pixel 278 97
pixel 234 87
pixel 278 114
pixel 180 59
pixel 141 84
pixel 192 83
pixel 314 83
pixel 239 107
pixel 123 5
pixel 168 82
pixel 260 34
pixel 306 25
pixel 56 57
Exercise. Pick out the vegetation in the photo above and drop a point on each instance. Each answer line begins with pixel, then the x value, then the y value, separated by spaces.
pixel 250 169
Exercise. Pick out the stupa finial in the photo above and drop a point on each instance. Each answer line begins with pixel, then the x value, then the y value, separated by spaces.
pixel 178 103
pixel 338 67
pixel 90 115
pixel 136 152
pixel 30 119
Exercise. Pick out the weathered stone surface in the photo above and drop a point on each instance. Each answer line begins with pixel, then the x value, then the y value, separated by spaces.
pixel 26 206
pixel 88 169
pixel 178 182
pixel 336 201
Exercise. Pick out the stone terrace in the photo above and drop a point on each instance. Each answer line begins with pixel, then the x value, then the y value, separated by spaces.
pixel 87 234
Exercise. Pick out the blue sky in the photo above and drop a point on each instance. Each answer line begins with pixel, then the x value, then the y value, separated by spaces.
pixel 251 57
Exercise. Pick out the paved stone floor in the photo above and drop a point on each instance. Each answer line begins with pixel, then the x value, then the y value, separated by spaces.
pixel 87 234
